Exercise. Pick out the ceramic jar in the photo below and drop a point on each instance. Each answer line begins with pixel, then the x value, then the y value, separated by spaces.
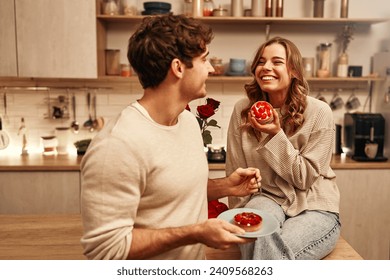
pixel 217 64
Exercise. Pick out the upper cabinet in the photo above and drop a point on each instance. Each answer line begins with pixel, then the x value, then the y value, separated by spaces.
pixel 8 65
pixel 43 38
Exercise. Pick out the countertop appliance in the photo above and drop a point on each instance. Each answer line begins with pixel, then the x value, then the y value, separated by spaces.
pixel 381 97
pixel 361 129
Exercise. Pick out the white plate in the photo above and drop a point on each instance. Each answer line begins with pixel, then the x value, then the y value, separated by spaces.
pixel 269 225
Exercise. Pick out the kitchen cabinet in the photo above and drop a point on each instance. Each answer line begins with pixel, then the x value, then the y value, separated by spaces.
pixel 48 38
pixel 39 192
pixel 364 211
pixel 8 41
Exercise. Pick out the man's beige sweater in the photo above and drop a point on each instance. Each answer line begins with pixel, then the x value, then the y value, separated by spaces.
pixel 139 174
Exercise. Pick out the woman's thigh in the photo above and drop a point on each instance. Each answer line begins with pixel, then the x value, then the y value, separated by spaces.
pixel 311 234
pixel 266 204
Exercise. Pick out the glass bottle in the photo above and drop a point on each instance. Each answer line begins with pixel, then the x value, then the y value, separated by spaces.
pixel 129 7
pixel 344 9
pixel 324 60
pixel 125 70
pixel 308 66
pixel 208 8
pixel 110 7
pixel 197 8
pixel 318 8
pixel 62 134
pixel 268 8
pixel 187 8
pixel 279 8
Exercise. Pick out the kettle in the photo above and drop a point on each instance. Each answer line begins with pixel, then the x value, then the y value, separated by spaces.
pixel 216 154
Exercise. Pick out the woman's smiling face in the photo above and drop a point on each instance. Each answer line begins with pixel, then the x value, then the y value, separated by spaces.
pixel 272 73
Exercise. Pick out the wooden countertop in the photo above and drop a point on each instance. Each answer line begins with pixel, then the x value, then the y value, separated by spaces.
pixel 57 237
pixel 38 162
pixel 41 237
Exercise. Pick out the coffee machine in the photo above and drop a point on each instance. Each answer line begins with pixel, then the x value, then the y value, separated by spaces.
pixel 363 131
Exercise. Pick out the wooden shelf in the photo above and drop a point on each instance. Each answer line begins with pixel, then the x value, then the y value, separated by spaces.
pixel 314 79
pixel 258 20
pixel 117 81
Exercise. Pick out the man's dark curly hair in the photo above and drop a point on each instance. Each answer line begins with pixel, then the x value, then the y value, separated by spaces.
pixel 159 40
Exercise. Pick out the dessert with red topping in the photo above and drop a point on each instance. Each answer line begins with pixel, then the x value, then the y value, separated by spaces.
pixel 248 221
pixel 262 111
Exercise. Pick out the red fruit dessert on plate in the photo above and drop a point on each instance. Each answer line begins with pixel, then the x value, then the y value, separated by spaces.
pixel 262 111
pixel 248 221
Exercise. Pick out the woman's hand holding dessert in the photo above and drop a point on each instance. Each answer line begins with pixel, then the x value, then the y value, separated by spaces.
pixel 264 118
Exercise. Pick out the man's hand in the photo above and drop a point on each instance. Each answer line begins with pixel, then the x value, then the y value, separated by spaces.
pixel 220 234
pixel 244 182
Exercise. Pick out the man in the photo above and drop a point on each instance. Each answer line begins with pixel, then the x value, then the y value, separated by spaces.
pixel 145 179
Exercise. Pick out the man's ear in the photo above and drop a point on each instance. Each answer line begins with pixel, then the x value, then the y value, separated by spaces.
pixel 177 68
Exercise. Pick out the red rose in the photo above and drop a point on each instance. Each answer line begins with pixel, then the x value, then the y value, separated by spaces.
pixel 188 108
pixel 214 103
pixel 205 111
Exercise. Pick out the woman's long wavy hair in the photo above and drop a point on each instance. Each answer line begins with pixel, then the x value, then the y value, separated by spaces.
pixel 295 104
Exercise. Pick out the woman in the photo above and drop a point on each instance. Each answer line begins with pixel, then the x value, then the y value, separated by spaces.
pixel 293 154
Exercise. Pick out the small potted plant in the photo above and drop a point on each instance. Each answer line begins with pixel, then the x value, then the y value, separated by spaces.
pixel 82 146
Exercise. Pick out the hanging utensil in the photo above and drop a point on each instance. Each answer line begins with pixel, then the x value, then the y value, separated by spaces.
pixel 98 122
pixel 88 123
pixel 5 107
pixel 4 138
pixel 74 125
pixel 94 122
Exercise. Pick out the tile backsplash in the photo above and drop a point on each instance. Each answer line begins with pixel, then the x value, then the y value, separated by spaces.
pixel 35 106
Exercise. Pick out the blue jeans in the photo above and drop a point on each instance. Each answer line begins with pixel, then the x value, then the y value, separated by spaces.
pixel 310 235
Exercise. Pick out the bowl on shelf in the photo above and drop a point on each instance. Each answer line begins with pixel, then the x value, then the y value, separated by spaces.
pixel 156 8
pixel 154 12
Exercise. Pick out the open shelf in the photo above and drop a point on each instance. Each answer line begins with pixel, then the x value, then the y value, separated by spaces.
pixel 257 20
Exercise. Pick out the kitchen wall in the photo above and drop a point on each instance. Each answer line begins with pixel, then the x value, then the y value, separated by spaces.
pixel 242 42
